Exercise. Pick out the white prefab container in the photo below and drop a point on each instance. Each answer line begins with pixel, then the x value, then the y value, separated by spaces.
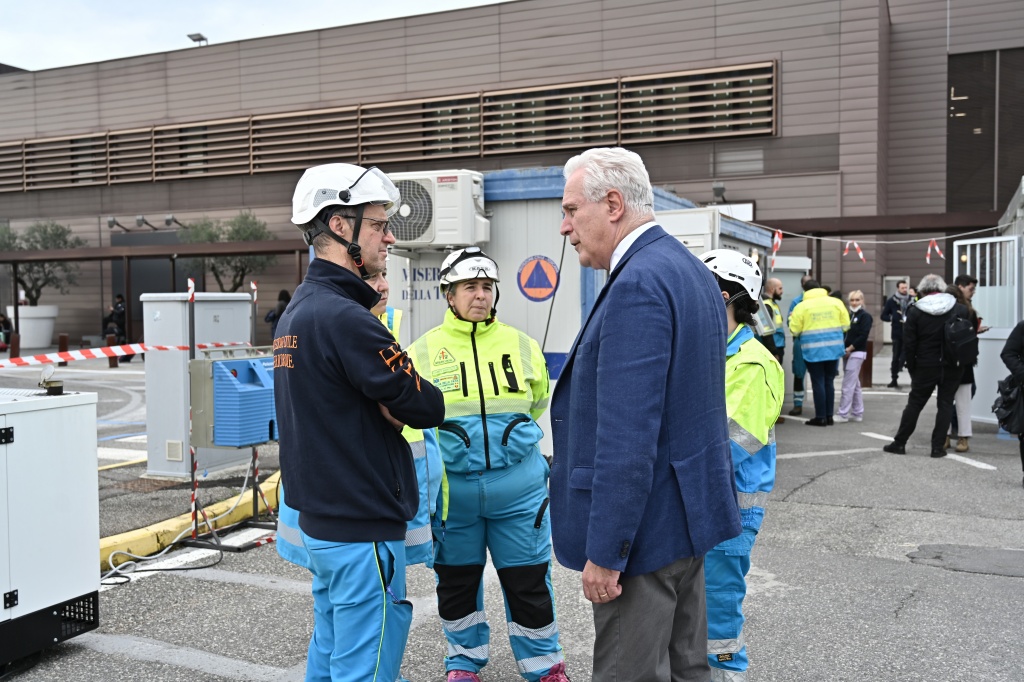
pixel 220 318
pixel 543 290
pixel 49 520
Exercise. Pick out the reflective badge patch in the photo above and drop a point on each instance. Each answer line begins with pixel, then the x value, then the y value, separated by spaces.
pixel 448 382
pixel 443 357
pixel 722 658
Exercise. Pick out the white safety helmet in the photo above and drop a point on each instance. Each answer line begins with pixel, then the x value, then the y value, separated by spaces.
pixel 341 184
pixel 735 267
pixel 465 264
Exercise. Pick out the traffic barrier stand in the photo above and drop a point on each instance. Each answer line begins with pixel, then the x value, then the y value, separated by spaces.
pixel 201 540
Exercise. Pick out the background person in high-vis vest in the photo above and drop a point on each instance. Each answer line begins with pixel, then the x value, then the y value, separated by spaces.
pixel 819 323
pixel 433 489
pixel 799 368
pixel 495 385
pixel 755 387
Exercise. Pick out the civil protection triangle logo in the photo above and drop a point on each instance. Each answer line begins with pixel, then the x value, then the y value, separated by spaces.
pixel 444 357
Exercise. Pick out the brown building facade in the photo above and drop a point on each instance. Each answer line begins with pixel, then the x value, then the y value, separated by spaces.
pixel 850 119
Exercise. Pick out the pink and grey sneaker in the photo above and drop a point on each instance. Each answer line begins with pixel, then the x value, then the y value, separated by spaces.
pixel 556 674
pixel 462 676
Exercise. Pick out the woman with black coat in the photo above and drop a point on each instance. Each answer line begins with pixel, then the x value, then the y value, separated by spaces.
pixel 1013 358
pixel 960 424
pixel 851 405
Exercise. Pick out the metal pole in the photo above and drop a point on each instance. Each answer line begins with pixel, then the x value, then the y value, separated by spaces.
pixel 17 302
pixel 253 313
pixel 191 319
pixel 129 301
pixel 255 484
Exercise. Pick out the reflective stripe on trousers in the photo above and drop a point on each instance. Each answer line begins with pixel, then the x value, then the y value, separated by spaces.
pixel 721 675
pixel 750 500
pixel 743 438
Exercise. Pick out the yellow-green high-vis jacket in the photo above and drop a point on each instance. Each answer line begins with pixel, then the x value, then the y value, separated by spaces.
pixel 495 385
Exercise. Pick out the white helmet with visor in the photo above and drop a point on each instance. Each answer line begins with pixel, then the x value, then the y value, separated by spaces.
pixel 735 267
pixel 466 264
pixel 341 184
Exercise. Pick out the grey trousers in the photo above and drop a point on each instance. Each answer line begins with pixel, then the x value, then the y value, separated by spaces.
pixel 657 630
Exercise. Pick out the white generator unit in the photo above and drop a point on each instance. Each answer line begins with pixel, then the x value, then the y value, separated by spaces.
pixel 440 209
pixel 49 520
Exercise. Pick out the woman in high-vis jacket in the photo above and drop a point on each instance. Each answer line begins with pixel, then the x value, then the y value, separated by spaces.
pixel 755 387
pixel 495 385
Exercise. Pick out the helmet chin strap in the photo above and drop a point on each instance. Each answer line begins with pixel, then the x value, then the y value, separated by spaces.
pixel 351 248
pixel 733 299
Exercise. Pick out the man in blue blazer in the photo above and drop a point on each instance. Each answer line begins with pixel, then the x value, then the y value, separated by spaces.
pixel 641 482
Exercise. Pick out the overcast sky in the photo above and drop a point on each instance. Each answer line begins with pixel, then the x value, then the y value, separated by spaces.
pixel 46 34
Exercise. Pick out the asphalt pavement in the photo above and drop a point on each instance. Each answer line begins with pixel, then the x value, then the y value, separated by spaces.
pixel 869 566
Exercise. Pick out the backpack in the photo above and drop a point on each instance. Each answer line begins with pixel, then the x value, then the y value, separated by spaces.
pixel 960 340
pixel 1009 406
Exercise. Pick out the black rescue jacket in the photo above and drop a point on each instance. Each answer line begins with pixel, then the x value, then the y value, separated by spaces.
pixel 347 470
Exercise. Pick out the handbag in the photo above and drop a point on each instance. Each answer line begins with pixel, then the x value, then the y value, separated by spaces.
pixel 1009 405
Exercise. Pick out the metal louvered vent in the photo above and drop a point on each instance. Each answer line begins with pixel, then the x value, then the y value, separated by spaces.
pixel 726 102
pixel 414 220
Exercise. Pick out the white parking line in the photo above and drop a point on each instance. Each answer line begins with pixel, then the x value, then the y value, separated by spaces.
pixel 825 453
pixel 876 436
pixel 155 651
pixel 972 462
pixel 120 454
pixel 132 439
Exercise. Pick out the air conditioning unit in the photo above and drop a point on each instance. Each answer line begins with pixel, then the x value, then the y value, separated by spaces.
pixel 440 209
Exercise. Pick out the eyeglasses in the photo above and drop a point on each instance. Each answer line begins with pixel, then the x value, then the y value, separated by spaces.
pixel 383 226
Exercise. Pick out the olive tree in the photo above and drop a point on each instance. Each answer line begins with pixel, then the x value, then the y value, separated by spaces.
pixel 229 272
pixel 34 276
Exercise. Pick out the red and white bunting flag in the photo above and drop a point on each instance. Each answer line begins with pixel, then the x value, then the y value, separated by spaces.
pixel 928 256
pixel 860 254
pixel 776 243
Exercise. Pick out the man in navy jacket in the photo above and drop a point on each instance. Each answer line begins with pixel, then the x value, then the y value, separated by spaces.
pixel 641 482
pixel 343 391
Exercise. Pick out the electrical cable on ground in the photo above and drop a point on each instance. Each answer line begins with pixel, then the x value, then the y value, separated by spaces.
pixel 132 566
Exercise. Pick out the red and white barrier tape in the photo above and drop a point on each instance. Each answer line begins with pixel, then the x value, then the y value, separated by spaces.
pixel 928 256
pixel 105 352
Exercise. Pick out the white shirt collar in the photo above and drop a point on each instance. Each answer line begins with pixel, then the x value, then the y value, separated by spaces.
pixel 627 242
